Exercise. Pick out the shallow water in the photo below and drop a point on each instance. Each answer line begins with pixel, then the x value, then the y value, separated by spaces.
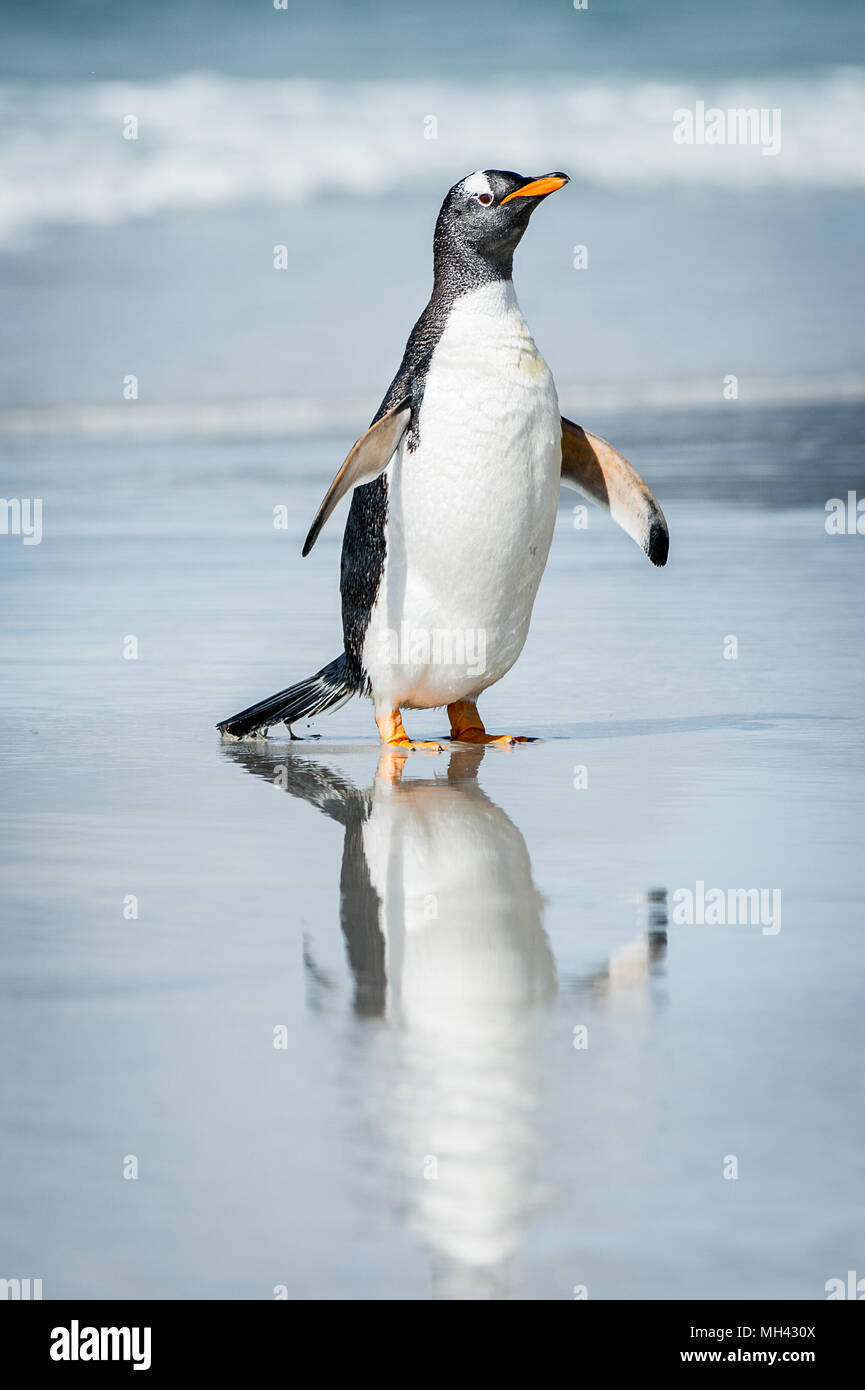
pixel 430 932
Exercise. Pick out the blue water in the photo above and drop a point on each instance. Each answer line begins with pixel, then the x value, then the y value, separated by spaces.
pixel 306 129
pixel 344 40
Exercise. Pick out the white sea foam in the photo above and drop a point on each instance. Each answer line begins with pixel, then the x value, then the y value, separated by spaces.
pixel 207 140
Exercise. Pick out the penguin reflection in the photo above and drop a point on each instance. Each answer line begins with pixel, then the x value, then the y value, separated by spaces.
pixel 443 931
pixel 444 936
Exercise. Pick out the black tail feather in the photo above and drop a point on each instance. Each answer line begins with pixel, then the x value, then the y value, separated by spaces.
pixel 329 687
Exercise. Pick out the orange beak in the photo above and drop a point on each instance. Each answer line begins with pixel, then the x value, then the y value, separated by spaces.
pixel 538 187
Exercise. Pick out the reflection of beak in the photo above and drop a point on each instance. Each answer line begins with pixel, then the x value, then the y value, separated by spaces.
pixel 538 188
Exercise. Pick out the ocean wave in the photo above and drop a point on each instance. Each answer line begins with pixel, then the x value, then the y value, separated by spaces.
pixel 207 140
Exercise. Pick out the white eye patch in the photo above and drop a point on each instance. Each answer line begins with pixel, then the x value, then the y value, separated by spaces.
pixel 477 183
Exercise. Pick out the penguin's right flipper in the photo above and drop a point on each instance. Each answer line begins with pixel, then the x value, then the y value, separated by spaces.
pixel 600 472
pixel 370 456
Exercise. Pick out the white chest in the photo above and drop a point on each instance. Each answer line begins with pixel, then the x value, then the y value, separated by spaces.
pixel 472 508
pixel 489 400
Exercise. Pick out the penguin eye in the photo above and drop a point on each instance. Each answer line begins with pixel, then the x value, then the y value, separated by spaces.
pixel 484 199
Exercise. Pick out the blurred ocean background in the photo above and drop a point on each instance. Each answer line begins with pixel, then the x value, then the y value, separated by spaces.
pixel 428 1128
pixel 305 128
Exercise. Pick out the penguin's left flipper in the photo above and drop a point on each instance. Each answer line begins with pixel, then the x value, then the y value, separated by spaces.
pixel 370 456
pixel 596 469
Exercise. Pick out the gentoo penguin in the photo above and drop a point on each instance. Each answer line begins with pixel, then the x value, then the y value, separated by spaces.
pixel 456 487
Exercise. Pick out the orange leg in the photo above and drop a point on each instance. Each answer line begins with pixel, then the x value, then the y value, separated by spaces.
pixel 394 735
pixel 468 727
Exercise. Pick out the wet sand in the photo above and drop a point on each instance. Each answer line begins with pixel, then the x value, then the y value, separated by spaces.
pixel 339 1035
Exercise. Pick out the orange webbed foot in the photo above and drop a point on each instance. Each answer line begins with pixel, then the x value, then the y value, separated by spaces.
pixel 479 736
pixel 394 736
pixel 467 727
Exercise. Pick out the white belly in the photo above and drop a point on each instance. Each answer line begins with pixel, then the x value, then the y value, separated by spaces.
pixel 471 512
pixel 468 964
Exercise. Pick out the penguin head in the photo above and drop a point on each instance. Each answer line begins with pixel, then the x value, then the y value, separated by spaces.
pixel 486 213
